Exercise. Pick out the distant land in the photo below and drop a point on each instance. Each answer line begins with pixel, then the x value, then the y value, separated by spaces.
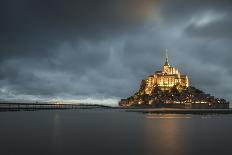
pixel 17 107
pixel 171 89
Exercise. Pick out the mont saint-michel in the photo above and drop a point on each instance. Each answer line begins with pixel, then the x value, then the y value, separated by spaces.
pixel 170 88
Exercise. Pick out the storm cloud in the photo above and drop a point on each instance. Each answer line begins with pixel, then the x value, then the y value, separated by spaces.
pixel 102 49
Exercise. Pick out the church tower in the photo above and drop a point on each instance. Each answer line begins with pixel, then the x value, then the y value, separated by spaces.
pixel 166 64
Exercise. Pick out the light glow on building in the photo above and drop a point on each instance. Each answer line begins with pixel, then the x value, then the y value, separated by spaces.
pixel 166 79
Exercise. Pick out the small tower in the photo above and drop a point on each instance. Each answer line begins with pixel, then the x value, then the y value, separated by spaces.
pixel 166 63
pixel 166 58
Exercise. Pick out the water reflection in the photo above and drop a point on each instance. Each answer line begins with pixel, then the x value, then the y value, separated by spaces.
pixel 55 132
pixel 165 135
pixel 166 116
pixel 113 132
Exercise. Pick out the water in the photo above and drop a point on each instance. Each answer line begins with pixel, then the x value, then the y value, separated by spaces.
pixel 104 132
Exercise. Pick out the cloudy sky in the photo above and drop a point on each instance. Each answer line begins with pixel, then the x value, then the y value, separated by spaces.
pixel 71 49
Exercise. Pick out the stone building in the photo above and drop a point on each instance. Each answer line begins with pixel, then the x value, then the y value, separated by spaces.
pixel 166 79
pixel 170 89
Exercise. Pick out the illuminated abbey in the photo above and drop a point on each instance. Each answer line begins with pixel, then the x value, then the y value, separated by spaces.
pixel 166 79
pixel 170 89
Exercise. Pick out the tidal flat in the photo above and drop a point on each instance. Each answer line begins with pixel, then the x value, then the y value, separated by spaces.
pixel 113 131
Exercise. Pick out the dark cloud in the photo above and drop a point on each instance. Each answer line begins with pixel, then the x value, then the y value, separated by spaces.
pixel 179 10
pixel 104 48
pixel 212 27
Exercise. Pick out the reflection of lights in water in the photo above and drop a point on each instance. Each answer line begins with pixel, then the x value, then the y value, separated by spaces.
pixel 166 116
pixel 55 131
pixel 166 134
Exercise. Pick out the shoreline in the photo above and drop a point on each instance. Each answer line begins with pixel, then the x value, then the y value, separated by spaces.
pixel 182 111
pixel 7 107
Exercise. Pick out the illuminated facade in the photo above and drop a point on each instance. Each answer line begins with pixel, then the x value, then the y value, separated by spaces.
pixel 166 79
pixel 170 89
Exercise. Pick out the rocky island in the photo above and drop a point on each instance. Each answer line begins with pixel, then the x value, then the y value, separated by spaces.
pixel 170 89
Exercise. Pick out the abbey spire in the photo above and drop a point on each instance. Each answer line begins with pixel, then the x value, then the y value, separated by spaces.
pixel 166 58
